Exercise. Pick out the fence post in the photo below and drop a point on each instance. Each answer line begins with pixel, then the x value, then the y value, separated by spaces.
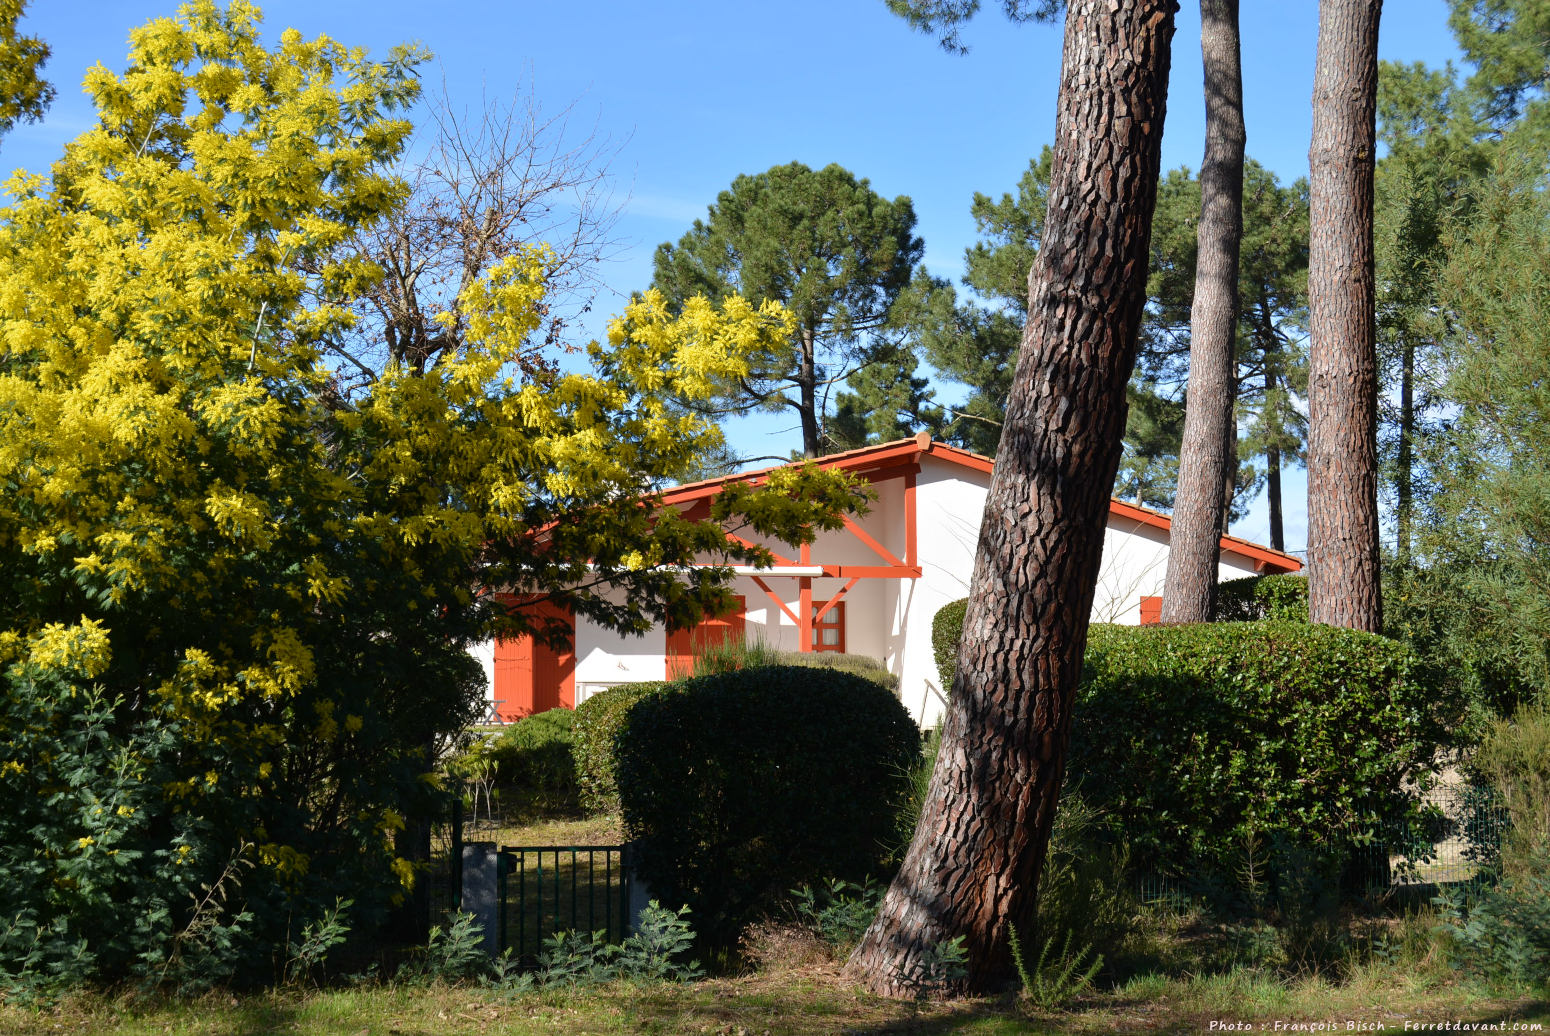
pixel 633 894
pixel 481 892
pixel 457 850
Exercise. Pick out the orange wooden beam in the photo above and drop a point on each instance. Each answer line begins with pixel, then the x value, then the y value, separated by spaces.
pixel 866 537
pixel 762 585
pixel 836 599
pixel 872 571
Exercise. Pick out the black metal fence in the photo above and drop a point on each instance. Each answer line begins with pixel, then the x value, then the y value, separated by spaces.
pixel 546 889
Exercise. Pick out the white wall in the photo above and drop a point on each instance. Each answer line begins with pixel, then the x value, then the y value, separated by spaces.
pixel 890 619
pixel 949 501
pixel 605 658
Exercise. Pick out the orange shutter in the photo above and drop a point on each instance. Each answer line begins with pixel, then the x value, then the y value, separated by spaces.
pixel 1151 611
pixel 531 676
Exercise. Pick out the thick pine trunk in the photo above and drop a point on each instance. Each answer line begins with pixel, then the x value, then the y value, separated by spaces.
pixel 1343 566
pixel 1194 543
pixel 972 867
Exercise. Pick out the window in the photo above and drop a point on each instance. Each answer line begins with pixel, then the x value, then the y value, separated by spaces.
pixel 828 631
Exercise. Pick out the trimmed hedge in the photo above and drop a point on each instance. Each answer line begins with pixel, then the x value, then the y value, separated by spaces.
pixel 1194 737
pixel 598 722
pixel 1262 597
pixel 946 632
pixel 740 786
pixel 1237 600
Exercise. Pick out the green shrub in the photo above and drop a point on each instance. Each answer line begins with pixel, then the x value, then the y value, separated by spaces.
pixel 837 911
pixel 1262 597
pixel 1197 739
pixel 739 787
pixel 598 721
pixel 946 631
pixel 1503 931
pixel 535 763
pixel 1462 623
pixel 864 666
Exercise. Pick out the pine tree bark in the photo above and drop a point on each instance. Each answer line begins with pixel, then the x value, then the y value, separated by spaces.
pixel 1194 542
pixel 1273 469
pixel 807 386
pixel 1343 563
pixel 972 867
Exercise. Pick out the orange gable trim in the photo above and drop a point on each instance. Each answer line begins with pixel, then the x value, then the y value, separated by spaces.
pixel 901 458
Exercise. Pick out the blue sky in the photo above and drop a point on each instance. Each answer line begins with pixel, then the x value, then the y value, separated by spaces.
pixel 694 93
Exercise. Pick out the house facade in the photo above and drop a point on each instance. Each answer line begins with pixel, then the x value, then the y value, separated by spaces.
pixel 870 588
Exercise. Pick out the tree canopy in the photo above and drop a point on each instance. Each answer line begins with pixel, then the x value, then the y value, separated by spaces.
pixel 236 605
pixel 975 343
pixel 837 255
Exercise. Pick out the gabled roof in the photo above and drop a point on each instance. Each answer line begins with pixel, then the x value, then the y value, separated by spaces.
pixel 906 453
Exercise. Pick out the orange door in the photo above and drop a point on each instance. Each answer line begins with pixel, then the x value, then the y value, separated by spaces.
pixel 531 676
pixel 684 646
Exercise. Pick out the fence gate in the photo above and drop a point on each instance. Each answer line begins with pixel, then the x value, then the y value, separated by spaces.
pixel 546 889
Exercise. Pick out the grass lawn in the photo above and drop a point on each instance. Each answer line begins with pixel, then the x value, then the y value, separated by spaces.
pixel 800 991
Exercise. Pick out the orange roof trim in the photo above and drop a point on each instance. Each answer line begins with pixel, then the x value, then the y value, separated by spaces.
pixel 905 454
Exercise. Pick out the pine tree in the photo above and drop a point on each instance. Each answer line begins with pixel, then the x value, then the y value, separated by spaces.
pixel 971 872
pixel 1208 452
pixel 831 250
pixel 1343 571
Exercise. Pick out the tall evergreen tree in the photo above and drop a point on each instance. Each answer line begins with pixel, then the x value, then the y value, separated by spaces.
pixel 1206 476
pixel 23 95
pixel 830 249
pixel 972 868
pixel 1343 577
pixel 974 343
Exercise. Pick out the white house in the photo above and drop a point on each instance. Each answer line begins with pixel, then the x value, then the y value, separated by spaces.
pixel 871 588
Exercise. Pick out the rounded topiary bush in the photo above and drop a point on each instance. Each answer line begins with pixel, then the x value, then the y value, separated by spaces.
pixel 1197 739
pixel 740 786
pixel 946 632
pixel 597 724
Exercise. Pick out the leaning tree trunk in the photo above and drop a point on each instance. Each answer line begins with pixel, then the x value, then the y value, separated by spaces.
pixel 1343 570
pixel 973 865
pixel 1194 542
